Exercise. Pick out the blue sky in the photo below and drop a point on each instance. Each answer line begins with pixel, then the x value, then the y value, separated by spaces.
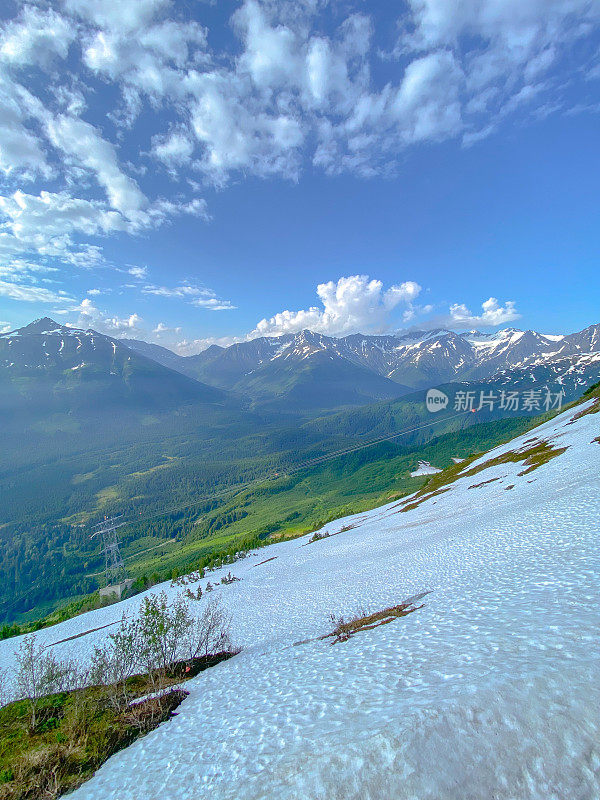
pixel 188 173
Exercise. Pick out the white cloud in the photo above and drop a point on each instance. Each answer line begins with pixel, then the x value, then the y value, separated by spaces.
pixel 21 268
pixel 173 150
pixel 351 305
pixel 493 314
pixel 198 296
pixel 35 37
pixel 84 143
pixel 506 45
pixel 357 304
pixel 236 133
pixel 50 224
pixel 521 28
pixel 31 294
pixel 46 224
pixel 125 16
pixel 427 104
pixel 184 290
pixel 213 304
pixel 21 151
pixel 290 87
pixel 138 272
pixel 190 347
pixel 20 279
pixel 163 333
pixel 89 316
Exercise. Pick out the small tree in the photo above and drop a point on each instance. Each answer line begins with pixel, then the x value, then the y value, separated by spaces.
pixel 5 694
pixel 159 637
pixel 39 672
pixel 210 633
pixel 114 663
pixel 161 631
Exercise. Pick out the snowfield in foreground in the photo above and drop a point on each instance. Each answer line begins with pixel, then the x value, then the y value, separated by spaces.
pixel 489 692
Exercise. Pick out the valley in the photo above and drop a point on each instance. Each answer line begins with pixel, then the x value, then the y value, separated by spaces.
pixel 199 472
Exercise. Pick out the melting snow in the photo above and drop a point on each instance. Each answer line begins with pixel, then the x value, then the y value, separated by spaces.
pixel 424 468
pixel 491 690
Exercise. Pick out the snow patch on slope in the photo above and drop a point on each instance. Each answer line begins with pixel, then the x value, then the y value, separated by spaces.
pixel 490 690
pixel 424 468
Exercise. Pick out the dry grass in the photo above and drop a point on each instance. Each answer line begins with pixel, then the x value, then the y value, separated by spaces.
pixel 532 457
pixel 75 738
pixel 362 621
pixel 593 409
pixel 539 453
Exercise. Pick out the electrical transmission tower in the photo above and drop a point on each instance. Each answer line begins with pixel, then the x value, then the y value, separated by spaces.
pixel 114 568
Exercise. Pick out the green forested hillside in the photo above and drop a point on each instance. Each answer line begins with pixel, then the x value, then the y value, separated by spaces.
pixel 183 510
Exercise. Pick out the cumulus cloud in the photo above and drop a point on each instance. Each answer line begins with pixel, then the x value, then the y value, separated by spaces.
pixel 358 304
pixel 350 305
pixel 21 151
pixel 89 316
pixel 47 224
pixel 126 16
pixel 507 48
pixel 162 328
pixel 174 149
pixel 191 347
pixel 286 89
pixel 213 304
pixel 52 224
pixel 83 142
pixel 493 314
pixel 36 36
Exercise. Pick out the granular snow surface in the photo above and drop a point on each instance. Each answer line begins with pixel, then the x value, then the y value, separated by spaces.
pixel 491 691
pixel 424 468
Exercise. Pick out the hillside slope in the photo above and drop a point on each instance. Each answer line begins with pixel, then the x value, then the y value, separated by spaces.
pixel 489 690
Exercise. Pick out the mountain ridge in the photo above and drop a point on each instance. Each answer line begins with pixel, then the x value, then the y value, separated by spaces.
pixel 47 365
pixel 415 360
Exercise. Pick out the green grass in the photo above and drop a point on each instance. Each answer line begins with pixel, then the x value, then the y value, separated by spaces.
pixel 283 508
pixel 76 732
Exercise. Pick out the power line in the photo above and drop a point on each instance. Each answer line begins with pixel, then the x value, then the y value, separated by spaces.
pixel 283 471
pixel 264 479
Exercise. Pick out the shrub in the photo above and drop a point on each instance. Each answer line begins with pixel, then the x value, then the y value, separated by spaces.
pixel 39 673
pixel 159 637
pixel 316 537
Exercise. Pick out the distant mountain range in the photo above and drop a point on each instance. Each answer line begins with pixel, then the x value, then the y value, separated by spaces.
pixel 53 366
pixel 47 366
pixel 309 369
